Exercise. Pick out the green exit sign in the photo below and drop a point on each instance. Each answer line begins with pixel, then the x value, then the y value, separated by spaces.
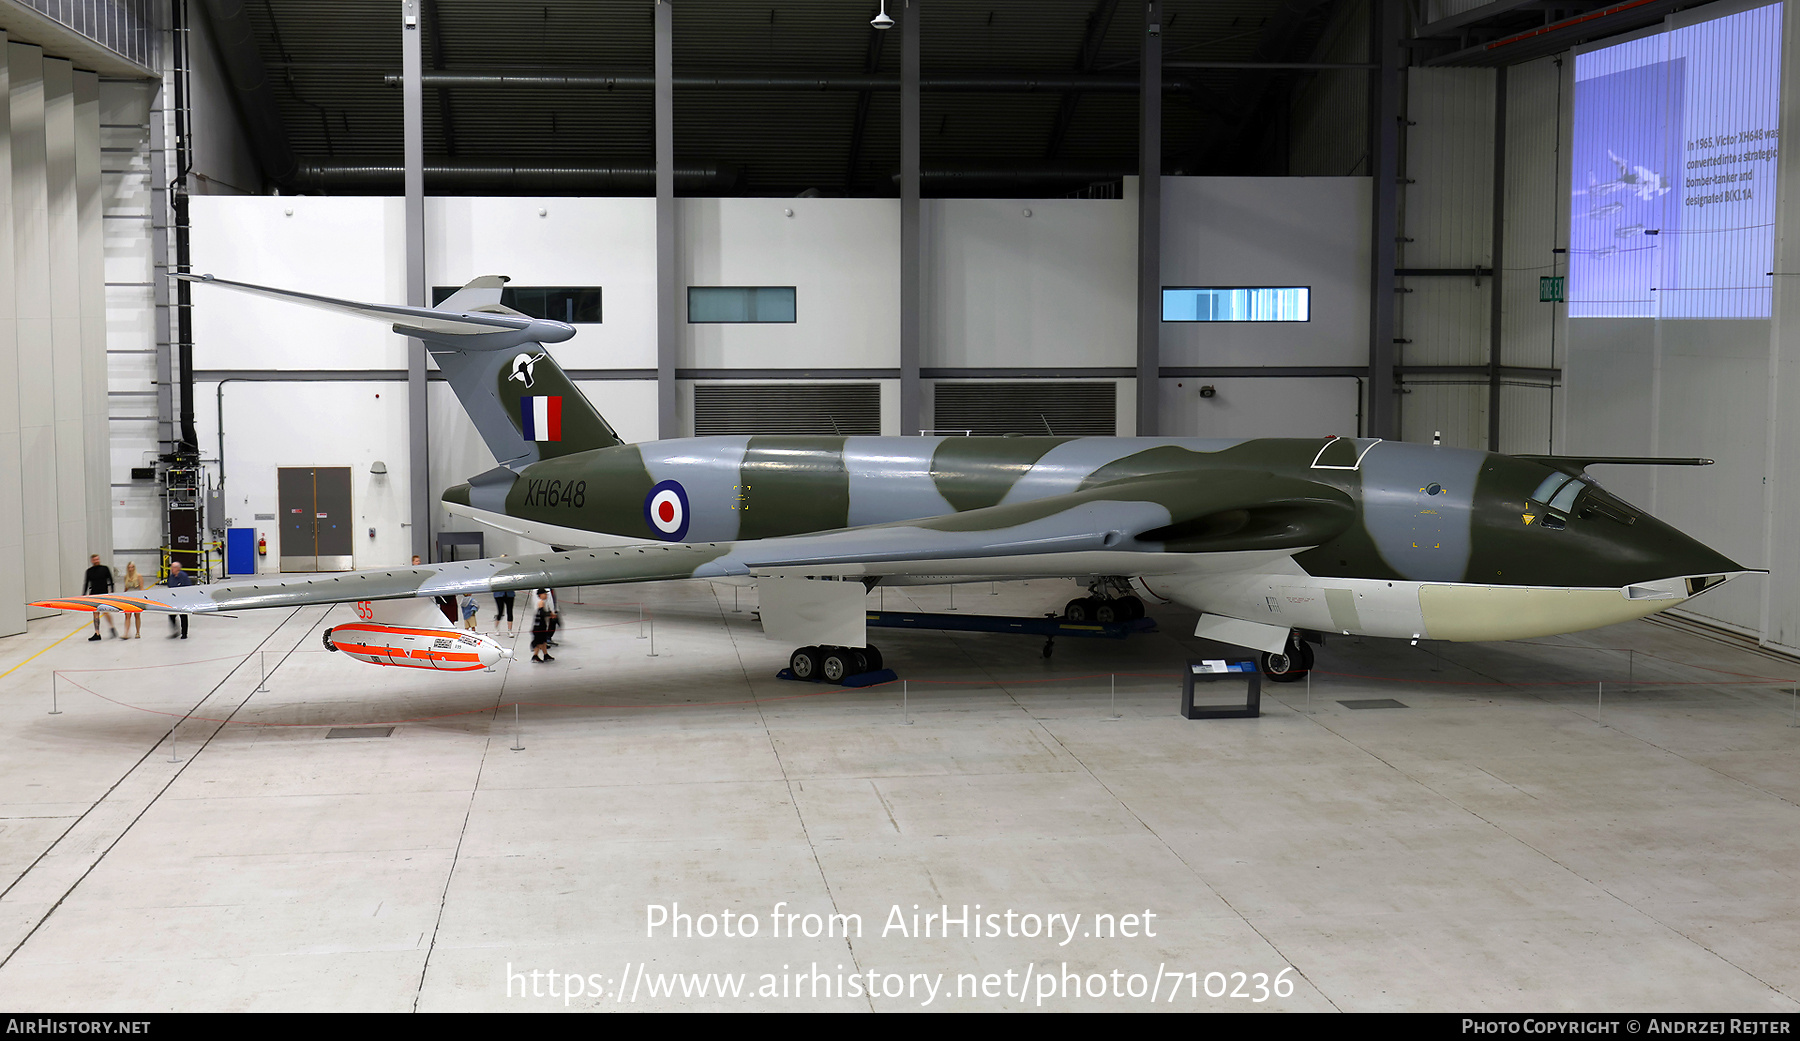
pixel 1550 289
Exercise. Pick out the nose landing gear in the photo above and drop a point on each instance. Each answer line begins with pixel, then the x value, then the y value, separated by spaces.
pixel 1291 665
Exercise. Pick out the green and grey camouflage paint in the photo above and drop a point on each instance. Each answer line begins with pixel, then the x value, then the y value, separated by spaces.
pixel 1395 511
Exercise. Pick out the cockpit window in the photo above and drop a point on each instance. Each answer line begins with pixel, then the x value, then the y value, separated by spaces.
pixel 1549 487
pixel 1557 493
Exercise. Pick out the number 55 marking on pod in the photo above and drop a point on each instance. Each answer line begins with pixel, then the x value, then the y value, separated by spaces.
pixel 365 610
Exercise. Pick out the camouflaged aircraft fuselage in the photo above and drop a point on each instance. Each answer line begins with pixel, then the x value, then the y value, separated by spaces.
pixel 1398 539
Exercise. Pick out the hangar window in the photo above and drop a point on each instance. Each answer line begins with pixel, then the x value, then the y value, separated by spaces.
pixel 1236 304
pixel 721 304
pixel 577 305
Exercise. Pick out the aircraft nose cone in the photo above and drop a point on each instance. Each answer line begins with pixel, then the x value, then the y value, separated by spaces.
pixel 1659 550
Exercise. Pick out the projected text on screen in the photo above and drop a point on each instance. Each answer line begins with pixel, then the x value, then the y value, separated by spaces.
pixel 1675 139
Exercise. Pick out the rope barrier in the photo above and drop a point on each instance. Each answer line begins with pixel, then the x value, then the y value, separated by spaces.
pixel 1747 679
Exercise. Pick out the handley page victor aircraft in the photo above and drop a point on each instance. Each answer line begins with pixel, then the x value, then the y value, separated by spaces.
pixel 1264 537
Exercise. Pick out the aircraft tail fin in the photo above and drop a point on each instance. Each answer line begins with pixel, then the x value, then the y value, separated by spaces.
pixel 522 403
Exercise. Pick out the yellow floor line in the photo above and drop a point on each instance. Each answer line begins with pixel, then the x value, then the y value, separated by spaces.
pixel 28 661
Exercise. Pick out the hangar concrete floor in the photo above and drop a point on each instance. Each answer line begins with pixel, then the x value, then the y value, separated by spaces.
pixel 1503 842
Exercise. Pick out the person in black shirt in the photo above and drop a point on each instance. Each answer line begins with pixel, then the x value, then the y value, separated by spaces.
pixel 99 580
pixel 178 579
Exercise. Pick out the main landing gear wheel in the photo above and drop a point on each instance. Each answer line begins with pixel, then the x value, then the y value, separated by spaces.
pixel 833 664
pixel 805 664
pixel 1103 610
pixel 1290 666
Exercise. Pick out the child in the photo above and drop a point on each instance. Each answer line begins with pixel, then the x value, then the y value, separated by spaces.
pixel 469 611
pixel 541 627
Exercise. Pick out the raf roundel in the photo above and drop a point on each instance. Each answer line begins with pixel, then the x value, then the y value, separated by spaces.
pixel 666 511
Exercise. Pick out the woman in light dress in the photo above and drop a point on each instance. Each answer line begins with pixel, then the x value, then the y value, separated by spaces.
pixel 134 583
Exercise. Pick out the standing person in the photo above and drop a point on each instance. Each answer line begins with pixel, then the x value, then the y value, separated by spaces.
pixel 178 579
pixel 134 583
pixel 469 611
pixel 503 608
pixel 541 628
pixel 99 580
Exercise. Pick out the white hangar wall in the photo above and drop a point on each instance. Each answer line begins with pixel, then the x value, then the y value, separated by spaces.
pixel 1007 296
pixel 54 499
pixel 1713 387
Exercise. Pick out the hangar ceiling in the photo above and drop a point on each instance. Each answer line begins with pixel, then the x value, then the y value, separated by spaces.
pixel 785 96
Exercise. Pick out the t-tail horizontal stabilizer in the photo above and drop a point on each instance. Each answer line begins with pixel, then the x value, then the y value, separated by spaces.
pixel 468 330
pixel 519 399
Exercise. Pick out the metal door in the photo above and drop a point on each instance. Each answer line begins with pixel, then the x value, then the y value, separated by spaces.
pixel 331 511
pixel 315 518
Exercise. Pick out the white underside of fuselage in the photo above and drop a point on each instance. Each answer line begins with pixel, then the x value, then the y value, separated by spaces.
pixel 1456 611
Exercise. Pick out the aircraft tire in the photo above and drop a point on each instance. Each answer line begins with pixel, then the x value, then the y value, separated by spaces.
pixel 1078 611
pixel 835 663
pixel 1106 612
pixel 874 658
pixel 1282 668
pixel 805 664
pixel 1133 608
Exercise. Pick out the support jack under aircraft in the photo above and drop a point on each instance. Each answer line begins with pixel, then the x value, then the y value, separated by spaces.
pixel 1266 538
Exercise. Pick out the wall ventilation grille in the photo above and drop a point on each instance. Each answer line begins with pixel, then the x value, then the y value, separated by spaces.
pixel 1033 408
pixel 787 408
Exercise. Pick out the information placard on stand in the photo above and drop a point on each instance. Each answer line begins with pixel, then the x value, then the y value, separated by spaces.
pixel 1229 688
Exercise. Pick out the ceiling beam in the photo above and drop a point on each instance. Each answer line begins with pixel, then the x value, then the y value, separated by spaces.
pixel 871 63
pixel 236 41
pixel 434 30
pixel 1282 35
pixel 1557 36
pixel 968 82
pixel 1099 21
